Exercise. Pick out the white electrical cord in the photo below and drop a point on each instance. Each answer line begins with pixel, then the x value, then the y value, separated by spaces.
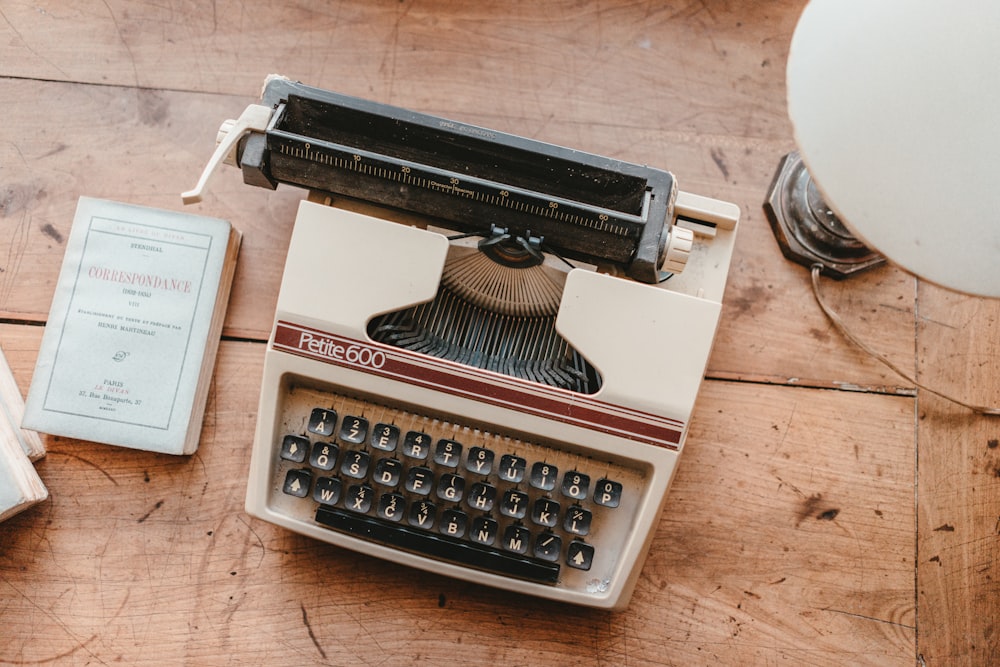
pixel 839 324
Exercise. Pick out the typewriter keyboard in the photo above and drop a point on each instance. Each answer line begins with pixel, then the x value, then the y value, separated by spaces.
pixel 448 491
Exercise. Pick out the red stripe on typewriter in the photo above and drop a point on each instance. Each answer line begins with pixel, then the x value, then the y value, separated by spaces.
pixel 484 386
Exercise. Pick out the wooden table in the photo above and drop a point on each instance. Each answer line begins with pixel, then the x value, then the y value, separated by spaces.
pixel 825 511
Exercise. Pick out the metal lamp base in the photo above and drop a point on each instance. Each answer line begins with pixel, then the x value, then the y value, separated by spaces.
pixel 808 232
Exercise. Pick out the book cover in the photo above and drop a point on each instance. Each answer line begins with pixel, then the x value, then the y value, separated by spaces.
pixel 12 409
pixel 129 347
pixel 20 485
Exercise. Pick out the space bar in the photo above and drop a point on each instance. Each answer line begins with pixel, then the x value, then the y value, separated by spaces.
pixel 438 546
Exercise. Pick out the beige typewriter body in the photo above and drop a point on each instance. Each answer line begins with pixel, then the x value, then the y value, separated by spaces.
pixel 650 343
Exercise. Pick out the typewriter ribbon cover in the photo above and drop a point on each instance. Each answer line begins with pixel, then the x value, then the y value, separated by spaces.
pixel 461 453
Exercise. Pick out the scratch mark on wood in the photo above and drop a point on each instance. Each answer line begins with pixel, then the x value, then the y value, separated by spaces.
pixel 869 618
pixel 124 42
pixel 55 658
pixel 59 148
pixel 58 621
pixel 945 527
pixel 940 323
pixel 31 50
pixel 88 462
pixel 312 635
pixel 260 542
pixel 145 516
pixel 719 158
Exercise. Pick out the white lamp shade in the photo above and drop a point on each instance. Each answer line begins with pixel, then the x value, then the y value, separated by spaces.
pixel 896 111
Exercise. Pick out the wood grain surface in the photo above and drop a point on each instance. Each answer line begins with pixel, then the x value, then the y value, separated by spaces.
pixel 825 511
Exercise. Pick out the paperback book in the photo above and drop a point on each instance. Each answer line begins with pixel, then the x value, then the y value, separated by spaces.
pixel 129 347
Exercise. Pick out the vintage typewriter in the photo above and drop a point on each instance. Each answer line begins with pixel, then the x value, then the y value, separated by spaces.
pixel 486 351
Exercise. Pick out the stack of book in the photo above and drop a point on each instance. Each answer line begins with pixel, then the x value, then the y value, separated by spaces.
pixel 20 485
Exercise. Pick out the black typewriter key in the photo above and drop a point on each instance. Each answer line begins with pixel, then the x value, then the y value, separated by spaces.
pixel 516 539
pixel 297 483
pixel 545 512
pixel 482 496
pixel 354 430
pixel 388 472
pixel 322 422
pixel 454 523
pixel 327 491
pixel 575 485
pixel 417 445
pixel 451 487
pixel 385 437
pixel 577 520
pixel 356 464
pixel 543 476
pixel 419 480
pixel 480 460
pixel 359 498
pixel 580 555
pixel 294 448
pixel 548 546
pixel 512 468
pixel 391 507
pixel 514 504
pixel 323 455
pixel 484 531
pixel 447 453
pixel 608 493
pixel 421 515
